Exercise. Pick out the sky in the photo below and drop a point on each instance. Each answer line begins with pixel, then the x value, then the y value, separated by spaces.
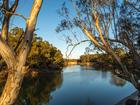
pixel 48 20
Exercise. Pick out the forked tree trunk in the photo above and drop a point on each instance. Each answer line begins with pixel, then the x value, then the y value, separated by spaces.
pixel 17 62
pixel 12 87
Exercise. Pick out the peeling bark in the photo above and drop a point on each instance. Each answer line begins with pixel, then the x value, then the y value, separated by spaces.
pixel 16 63
pixel 12 88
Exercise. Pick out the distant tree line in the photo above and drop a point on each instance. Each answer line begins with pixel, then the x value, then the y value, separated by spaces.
pixel 106 61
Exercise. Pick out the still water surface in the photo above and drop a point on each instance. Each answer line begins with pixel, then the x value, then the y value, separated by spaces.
pixel 76 85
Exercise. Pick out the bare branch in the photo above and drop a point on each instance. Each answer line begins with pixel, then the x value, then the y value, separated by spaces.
pixel 14 6
pixel 7 16
pixel 73 47
pixel 16 14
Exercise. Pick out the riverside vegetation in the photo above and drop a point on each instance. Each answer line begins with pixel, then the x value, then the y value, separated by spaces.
pixel 106 24
pixel 43 56
pixel 106 61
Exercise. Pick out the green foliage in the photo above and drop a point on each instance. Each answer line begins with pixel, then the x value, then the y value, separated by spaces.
pixel 42 54
pixel 96 58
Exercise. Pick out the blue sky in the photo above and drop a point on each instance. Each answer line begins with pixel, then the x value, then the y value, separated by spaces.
pixel 47 21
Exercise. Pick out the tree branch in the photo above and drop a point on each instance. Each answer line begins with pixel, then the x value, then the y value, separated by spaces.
pixel 73 47
pixel 14 6
pixel 7 16
pixel 96 19
pixel 16 14
pixel 30 28
pixel 7 54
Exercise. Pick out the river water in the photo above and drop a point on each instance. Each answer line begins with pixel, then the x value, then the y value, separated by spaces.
pixel 76 85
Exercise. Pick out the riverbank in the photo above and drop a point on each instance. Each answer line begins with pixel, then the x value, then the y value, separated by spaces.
pixel 33 72
pixel 97 65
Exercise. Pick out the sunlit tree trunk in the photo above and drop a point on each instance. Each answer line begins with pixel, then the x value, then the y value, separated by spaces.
pixel 12 88
pixel 16 62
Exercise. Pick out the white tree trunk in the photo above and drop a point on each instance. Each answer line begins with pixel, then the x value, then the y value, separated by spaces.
pixel 12 88
pixel 16 63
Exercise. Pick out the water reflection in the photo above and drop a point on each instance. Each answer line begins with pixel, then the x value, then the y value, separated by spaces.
pixel 104 74
pixel 87 86
pixel 114 78
pixel 117 81
pixel 77 85
pixel 36 91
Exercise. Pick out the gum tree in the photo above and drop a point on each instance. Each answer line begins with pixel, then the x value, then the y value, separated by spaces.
pixel 98 20
pixel 16 61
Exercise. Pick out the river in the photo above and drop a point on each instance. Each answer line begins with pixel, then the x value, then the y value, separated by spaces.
pixel 76 85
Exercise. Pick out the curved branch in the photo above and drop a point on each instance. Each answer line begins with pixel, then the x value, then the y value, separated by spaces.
pixel 12 13
pixel 74 45
pixel 20 15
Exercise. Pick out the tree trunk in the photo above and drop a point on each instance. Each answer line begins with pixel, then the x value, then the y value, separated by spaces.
pixel 16 62
pixel 12 88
